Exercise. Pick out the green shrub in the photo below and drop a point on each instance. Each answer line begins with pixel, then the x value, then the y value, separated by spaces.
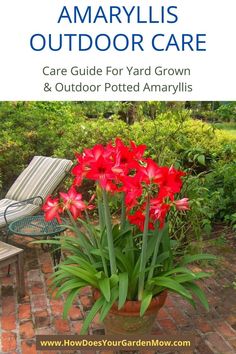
pixel 208 116
pixel 212 198
pixel 227 112
pixel 223 180
pixel 179 139
pixel 87 133
pixel 28 129
pixel 61 128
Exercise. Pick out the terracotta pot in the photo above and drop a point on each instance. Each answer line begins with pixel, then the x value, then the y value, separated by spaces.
pixel 128 321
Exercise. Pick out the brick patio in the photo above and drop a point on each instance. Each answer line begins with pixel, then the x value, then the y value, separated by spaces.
pixel 39 313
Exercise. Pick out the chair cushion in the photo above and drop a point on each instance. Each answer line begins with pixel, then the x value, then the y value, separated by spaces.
pixel 15 212
pixel 41 177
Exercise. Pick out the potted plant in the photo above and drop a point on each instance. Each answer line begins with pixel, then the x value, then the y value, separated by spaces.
pixel 129 260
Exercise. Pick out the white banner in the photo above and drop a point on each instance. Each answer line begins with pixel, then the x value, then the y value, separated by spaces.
pixel 119 50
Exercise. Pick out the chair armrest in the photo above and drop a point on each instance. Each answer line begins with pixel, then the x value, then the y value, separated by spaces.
pixel 23 202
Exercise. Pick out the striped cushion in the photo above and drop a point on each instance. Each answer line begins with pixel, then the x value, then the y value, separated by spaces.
pixel 41 177
pixel 15 212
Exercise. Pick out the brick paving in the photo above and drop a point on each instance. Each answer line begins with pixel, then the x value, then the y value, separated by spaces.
pixel 39 313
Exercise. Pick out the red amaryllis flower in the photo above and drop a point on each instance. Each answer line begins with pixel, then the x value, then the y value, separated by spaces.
pixel 73 202
pixel 80 170
pixel 138 219
pixel 86 161
pixel 182 204
pixel 132 188
pixel 52 209
pixel 175 179
pixel 171 182
pixel 96 152
pixel 101 171
pixel 124 158
pixel 90 206
pixel 158 211
pixel 152 173
pixel 137 150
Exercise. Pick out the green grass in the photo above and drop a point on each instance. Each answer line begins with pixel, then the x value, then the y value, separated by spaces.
pixel 227 127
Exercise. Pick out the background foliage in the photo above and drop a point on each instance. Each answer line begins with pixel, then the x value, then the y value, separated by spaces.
pixel 199 137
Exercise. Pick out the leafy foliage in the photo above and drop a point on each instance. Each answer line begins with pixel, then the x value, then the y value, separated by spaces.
pixel 227 112
pixel 168 271
pixel 172 137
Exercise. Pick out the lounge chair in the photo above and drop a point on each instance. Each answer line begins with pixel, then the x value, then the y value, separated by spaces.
pixel 41 177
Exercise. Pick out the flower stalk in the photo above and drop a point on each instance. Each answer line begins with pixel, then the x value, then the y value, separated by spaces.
pixel 123 212
pixel 158 236
pixel 81 236
pixel 110 243
pixel 143 259
pixel 101 215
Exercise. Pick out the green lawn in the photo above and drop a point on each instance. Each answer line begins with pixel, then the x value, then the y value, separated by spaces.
pixel 227 127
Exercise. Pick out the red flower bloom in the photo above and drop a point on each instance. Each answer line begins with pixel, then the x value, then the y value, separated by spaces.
pixel 85 160
pixel 159 211
pixel 171 183
pixel 105 164
pixel 122 168
pixel 125 159
pixel 95 164
pixel 80 170
pixel 138 219
pixel 101 171
pixel 137 150
pixel 52 209
pixel 152 173
pixel 89 205
pixel 73 202
pixel 182 204
pixel 96 152
pixel 132 188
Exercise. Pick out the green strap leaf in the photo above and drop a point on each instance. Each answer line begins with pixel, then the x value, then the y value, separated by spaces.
pixel 69 300
pixel 201 275
pixel 158 235
pixel 182 278
pixel 162 257
pixel 123 261
pixel 81 262
pixel 197 257
pixel 129 251
pixel 97 252
pixel 123 289
pixel 150 250
pixel 92 313
pixel 81 274
pixel 104 286
pixel 107 305
pixel 179 270
pixel 147 298
pixel 199 293
pixel 70 285
pixel 114 279
pixel 171 284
